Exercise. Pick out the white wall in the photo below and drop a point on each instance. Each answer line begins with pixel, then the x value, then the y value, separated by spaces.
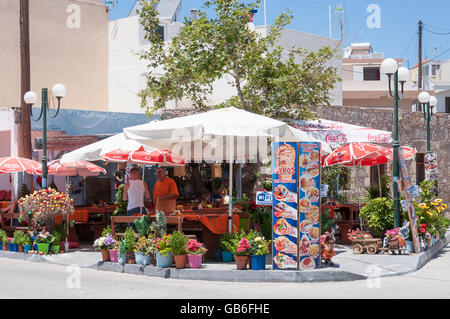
pixel 126 69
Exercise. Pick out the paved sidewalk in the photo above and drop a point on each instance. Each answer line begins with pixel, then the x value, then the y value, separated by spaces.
pixel 352 267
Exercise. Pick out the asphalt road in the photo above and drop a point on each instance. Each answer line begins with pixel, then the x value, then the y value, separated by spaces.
pixel 43 280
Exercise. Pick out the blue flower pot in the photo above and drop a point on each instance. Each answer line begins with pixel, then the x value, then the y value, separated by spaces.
pixel 122 259
pixel 10 247
pixel 138 257
pixel 227 256
pixel 16 248
pixel 27 248
pixel 258 262
pixel 164 261
pixel 1 246
pixel 145 260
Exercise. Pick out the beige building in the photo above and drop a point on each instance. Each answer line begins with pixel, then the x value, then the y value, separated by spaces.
pixel 363 84
pixel 68 44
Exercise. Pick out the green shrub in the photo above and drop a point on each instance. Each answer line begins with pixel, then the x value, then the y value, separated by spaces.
pixel 178 243
pixel 378 214
pixel 130 239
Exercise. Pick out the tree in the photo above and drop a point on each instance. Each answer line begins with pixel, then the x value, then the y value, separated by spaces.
pixel 223 46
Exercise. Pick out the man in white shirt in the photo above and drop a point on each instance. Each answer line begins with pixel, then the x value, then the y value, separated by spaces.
pixel 134 192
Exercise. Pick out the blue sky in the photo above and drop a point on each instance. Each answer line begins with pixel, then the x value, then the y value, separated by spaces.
pixel 396 37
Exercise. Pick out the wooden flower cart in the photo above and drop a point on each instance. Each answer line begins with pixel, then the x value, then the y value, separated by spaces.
pixel 370 245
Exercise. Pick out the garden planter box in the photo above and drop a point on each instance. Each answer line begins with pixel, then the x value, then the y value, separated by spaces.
pixel 43 248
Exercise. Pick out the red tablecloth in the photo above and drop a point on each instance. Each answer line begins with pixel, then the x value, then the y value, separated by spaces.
pixel 216 223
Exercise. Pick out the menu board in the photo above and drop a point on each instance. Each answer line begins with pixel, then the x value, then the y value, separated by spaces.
pixel 284 208
pixel 405 186
pixel 309 205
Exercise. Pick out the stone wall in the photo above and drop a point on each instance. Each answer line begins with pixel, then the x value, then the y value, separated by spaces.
pixel 412 132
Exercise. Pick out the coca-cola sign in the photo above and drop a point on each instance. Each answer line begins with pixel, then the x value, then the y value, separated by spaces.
pixel 378 138
pixel 339 138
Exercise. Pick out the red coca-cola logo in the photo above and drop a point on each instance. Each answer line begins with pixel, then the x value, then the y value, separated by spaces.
pixel 380 138
pixel 285 170
pixel 336 138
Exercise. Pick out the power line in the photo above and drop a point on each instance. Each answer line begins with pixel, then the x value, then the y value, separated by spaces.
pixel 438 33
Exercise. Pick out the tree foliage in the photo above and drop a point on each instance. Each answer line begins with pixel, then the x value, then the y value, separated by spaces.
pixel 268 79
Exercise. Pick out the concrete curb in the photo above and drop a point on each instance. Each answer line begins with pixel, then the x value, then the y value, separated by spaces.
pixel 320 275
pixel 426 256
pixel 232 275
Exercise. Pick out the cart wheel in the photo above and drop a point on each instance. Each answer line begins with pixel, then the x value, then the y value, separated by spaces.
pixel 357 249
pixel 372 249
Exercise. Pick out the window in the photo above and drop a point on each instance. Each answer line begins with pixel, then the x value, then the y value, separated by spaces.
pixel 420 167
pixel 371 74
pixel 160 31
pixel 447 104
pixel 434 68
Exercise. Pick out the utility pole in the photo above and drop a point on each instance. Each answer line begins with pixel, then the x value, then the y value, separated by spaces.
pixel 419 80
pixel 25 126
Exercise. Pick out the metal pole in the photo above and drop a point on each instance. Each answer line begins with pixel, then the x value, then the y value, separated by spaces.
pixel 428 128
pixel 329 20
pixel 230 203
pixel 44 136
pixel 395 162
pixel 265 14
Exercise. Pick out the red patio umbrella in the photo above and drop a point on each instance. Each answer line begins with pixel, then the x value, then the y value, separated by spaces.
pixel 17 164
pixel 81 168
pixel 145 155
pixel 363 154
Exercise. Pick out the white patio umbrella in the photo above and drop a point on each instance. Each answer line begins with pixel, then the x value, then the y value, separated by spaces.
pixel 338 133
pixel 237 135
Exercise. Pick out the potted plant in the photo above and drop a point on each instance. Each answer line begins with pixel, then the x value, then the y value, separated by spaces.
pixel 43 240
pixel 122 252
pixel 2 236
pixel 99 243
pixel 56 242
pixel 163 250
pixel 178 245
pixel 27 244
pixel 17 240
pixel 5 241
pixel 227 247
pixel 259 248
pixel 130 238
pixel 114 252
pixel 241 254
pixel 10 244
pixel 392 236
pixel 195 251
pixel 142 250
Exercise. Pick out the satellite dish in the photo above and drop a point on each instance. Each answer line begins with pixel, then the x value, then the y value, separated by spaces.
pixel 347 52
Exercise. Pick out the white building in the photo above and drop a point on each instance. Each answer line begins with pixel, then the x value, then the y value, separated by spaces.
pixel 436 77
pixel 126 70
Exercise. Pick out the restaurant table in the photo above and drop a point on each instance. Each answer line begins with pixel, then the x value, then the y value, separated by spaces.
pixel 87 227
pixel 350 219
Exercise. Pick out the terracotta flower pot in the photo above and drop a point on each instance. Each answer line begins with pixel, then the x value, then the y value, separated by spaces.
pixel 131 258
pixel 241 262
pixel 5 247
pixel 180 261
pixel 105 254
pixel 21 249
